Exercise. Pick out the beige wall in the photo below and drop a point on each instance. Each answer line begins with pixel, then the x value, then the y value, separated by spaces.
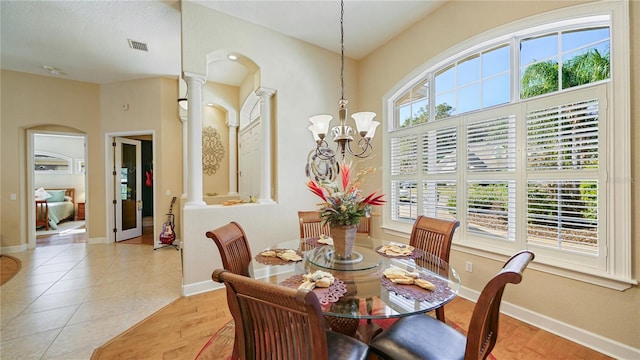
pixel 36 102
pixel 306 79
pixel 303 77
pixel 307 82
pixel 152 107
pixel 224 98
pixel 610 313
pixel 94 110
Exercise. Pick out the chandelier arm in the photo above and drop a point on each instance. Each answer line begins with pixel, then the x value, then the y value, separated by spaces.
pixel 364 145
pixel 320 169
pixel 324 152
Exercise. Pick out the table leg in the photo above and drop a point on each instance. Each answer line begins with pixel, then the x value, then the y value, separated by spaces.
pixel 351 327
pixel 342 325
pixel 366 332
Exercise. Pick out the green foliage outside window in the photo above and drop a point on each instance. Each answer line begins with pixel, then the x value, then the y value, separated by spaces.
pixel 542 78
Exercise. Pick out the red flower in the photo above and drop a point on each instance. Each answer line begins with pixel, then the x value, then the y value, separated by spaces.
pixel 371 199
pixel 345 206
pixel 316 189
pixel 346 174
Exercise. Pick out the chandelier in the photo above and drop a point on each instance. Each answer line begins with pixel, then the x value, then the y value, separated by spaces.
pixel 321 162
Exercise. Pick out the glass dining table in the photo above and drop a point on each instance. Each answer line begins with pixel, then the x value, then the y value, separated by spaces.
pixel 361 290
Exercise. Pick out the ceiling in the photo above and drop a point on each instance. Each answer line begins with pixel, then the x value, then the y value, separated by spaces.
pixel 89 40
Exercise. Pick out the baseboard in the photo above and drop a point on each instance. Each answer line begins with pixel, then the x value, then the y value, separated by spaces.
pixel 13 249
pixel 200 287
pixel 585 338
pixel 97 240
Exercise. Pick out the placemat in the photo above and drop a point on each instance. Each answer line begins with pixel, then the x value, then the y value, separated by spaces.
pixel 274 260
pixel 325 295
pixel 414 255
pixel 313 241
pixel 441 293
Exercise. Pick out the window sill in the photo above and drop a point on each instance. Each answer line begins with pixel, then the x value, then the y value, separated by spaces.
pixel 604 280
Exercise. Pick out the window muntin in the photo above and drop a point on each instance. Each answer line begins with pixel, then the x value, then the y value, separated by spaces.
pixel 413 107
pixel 563 59
pixel 474 82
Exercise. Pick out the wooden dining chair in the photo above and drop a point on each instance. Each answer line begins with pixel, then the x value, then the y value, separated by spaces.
pixel 423 337
pixel 434 237
pixel 311 224
pixel 277 322
pixel 233 246
pixel 364 227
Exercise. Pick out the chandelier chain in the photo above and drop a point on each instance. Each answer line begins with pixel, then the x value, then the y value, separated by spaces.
pixel 321 161
pixel 342 49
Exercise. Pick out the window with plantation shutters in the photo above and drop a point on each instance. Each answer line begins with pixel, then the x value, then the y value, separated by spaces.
pixel 404 165
pixel 562 200
pixel 491 149
pixel 516 139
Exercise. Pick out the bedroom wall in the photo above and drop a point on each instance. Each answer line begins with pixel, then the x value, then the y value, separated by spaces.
pixel 563 304
pixel 70 146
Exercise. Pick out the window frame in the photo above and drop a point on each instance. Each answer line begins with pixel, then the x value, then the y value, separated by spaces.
pixel 615 260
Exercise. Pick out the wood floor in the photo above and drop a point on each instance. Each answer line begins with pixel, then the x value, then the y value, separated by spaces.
pixel 179 331
pixel 61 239
pixel 9 267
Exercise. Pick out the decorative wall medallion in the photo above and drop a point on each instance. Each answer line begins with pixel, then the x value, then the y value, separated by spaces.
pixel 212 150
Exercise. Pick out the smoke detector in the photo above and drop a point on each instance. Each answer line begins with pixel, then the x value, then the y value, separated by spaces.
pixel 53 70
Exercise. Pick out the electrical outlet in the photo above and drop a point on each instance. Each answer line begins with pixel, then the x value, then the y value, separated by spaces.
pixel 468 266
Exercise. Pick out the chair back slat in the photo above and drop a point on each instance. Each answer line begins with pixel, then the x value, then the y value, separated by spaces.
pixel 311 224
pixel 433 236
pixel 364 226
pixel 233 245
pixel 276 322
pixel 483 327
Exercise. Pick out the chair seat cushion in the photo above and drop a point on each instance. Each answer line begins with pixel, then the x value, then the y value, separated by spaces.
pixel 419 337
pixel 343 347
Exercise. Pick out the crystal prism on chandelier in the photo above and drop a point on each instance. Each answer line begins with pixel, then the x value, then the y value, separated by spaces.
pixel 321 162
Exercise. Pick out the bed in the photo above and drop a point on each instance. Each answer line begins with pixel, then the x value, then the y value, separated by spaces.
pixel 54 206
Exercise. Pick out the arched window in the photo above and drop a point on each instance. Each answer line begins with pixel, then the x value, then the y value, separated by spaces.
pixel 513 136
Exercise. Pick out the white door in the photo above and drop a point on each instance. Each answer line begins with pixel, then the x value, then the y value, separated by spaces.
pixel 128 188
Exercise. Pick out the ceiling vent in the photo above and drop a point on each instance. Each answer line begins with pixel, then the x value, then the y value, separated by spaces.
pixel 137 45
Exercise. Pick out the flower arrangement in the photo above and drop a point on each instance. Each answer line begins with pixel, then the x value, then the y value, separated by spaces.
pixel 344 205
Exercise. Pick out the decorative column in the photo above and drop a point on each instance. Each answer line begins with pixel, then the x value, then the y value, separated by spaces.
pixel 233 158
pixel 194 138
pixel 265 95
pixel 185 157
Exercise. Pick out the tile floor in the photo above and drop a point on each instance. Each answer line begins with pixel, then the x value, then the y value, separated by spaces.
pixel 69 299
